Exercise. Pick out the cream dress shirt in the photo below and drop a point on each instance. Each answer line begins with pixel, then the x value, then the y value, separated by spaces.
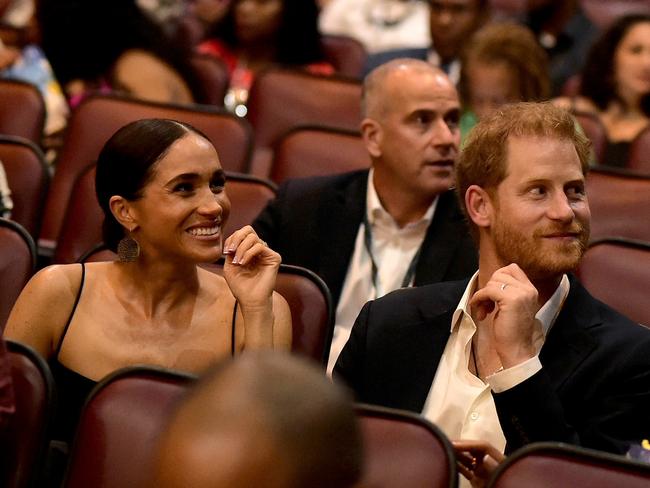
pixel 393 249
pixel 460 403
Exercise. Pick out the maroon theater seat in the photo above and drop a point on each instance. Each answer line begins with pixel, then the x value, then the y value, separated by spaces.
pixel 544 465
pixel 403 449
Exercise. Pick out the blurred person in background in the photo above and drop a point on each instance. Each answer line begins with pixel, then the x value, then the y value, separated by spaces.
pixel 502 63
pixel 113 47
pixel 451 24
pixel 615 85
pixel 380 25
pixel 257 34
pixel 565 32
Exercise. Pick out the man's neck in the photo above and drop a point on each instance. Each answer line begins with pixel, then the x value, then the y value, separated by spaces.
pixel 403 207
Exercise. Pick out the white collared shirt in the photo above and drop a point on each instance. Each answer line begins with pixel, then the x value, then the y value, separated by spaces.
pixel 452 68
pixel 460 403
pixel 393 249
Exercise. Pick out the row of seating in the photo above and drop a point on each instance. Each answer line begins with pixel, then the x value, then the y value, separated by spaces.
pixel 116 439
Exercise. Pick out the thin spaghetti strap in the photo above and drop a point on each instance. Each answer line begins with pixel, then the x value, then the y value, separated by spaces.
pixel 232 330
pixel 74 308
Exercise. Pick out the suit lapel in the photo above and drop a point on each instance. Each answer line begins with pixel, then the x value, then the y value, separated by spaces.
pixel 441 241
pixel 426 359
pixel 569 342
pixel 340 215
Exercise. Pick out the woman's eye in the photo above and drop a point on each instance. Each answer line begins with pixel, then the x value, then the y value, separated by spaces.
pixel 217 187
pixel 183 187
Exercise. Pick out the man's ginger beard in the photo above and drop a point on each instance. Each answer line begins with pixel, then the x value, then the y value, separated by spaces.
pixel 538 257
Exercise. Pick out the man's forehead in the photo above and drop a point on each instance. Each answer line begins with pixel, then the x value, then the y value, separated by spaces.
pixel 421 85
pixel 531 157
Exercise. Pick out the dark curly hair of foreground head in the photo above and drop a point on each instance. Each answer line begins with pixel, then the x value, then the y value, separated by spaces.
pixel 126 164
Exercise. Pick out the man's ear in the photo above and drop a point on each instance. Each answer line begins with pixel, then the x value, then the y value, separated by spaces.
pixel 372 135
pixel 123 212
pixel 480 207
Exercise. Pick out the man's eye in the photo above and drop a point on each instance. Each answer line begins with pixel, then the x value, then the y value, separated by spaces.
pixel 538 191
pixel 576 192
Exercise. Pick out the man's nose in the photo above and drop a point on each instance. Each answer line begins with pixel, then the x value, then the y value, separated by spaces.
pixel 560 208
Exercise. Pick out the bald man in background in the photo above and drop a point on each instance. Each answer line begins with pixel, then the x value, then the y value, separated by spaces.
pixel 396 224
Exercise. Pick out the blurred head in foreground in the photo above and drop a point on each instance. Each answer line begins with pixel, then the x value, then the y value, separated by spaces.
pixel 264 419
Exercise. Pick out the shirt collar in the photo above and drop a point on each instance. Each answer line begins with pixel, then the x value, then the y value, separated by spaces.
pixel 545 315
pixel 452 68
pixel 375 210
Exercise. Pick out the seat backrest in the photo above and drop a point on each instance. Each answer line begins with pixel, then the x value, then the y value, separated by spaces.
pixel 23 110
pixel 595 132
pixel 403 449
pixel 639 157
pixel 626 263
pixel 119 425
pixel 346 54
pixel 24 444
pixel 98 117
pixel 28 179
pixel 212 76
pixel 541 465
pixel 315 151
pixel 17 264
pixel 281 99
pixel 82 224
pixel 619 202
pixel 310 302
pixel 248 196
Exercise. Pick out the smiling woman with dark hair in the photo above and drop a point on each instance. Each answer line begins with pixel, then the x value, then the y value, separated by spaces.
pixel 163 193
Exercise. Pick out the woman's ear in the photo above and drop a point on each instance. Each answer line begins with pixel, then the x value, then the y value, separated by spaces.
pixel 479 206
pixel 123 212
pixel 371 133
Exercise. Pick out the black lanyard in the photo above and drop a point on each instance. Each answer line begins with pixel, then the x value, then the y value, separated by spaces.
pixel 367 240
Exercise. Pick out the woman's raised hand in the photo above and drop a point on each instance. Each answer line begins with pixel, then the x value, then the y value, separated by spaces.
pixel 251 268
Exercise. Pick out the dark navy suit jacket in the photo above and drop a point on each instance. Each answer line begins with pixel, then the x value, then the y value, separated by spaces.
pixel 313 223
pixel 593 389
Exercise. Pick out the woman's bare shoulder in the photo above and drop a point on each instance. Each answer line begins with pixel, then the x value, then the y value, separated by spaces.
pixel 43 306
pixel 57 280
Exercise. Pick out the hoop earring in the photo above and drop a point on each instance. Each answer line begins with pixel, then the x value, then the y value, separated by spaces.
pixel 128 249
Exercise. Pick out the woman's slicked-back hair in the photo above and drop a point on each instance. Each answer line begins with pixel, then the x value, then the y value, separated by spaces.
pixel 598 79
pixel 126 162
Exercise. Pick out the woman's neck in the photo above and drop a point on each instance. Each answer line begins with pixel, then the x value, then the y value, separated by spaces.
pixel 159 285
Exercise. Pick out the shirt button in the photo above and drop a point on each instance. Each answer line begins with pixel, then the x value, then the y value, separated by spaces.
pixel 474 416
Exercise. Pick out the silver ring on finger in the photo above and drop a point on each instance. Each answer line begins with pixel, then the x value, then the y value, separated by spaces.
pixel 503 286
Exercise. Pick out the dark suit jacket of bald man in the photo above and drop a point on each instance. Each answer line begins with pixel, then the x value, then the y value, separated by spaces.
pixel 593 389
pixel 313 223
